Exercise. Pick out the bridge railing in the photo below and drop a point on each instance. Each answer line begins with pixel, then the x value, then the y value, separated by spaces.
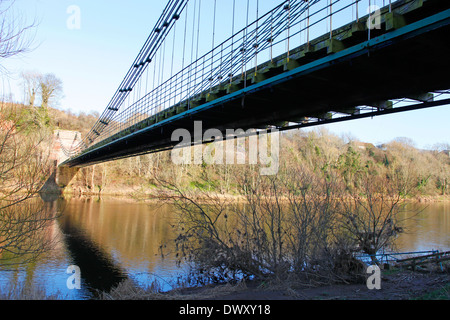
pixel 271 38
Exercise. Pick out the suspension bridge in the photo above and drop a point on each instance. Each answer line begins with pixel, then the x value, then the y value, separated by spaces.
pixel 301 63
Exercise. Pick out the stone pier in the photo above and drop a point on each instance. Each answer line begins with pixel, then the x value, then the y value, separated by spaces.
pixel 61 176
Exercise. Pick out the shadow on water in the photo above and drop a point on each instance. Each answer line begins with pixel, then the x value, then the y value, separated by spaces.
pixel 98 270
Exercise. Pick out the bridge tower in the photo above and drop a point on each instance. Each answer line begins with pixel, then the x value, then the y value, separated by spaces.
pixel 61 176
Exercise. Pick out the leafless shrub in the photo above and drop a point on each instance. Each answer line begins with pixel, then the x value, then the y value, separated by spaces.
pixel 284 225
pixel 311 219
pixel 370 218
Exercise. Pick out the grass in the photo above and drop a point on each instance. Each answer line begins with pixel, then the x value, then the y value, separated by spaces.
pixel 127 290
pixel 439 294
pixel 20 292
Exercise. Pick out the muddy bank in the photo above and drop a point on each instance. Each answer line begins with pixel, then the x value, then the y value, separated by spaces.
pixel 395 285
pixel 402 286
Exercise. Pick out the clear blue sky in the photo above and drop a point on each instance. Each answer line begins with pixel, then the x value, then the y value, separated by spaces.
pixel 92 61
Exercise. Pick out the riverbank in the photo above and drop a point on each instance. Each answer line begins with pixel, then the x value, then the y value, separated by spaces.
pixel 133 194
pixel 395 285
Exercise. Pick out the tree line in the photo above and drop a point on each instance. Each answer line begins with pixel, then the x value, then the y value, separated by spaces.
pixel 427 171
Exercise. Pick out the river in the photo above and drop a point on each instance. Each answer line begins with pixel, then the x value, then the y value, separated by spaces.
pixel 113 239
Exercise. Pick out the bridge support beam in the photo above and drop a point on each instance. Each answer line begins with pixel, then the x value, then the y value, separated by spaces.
pixel 394 21
pixel 423 97
pixel 334 45
pixel 382 105
pixel 290 64
pixel 233 87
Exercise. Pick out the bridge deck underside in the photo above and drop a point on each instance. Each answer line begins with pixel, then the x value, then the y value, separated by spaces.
pixel 394 65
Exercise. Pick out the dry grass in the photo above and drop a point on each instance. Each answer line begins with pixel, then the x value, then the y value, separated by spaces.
pixel 290 287
pixel 19 292
pixel 128 290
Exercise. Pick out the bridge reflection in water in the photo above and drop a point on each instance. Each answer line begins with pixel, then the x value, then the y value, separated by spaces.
pixel 109 240
pixel 112 240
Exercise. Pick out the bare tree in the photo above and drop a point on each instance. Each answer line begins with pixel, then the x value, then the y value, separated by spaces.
pixel 283 226
pixel 370 216
pixel 24 167
pixel 24 164
pixel 51 89
pixel 31 84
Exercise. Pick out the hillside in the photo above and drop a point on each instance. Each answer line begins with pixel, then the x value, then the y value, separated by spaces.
pixel 427 171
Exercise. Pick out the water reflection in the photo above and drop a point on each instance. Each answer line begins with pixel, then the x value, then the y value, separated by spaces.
pixel 17 274
pixel 428 229
pixel 132 239
pixel 99 272
pixel 109 240
pixel 114 239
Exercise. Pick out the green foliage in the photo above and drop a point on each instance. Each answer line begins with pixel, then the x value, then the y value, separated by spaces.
pixel 423 172
pixel 442 293
pixel 203 185
pixel 386 161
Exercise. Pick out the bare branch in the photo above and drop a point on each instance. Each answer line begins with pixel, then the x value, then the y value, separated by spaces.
pixel 16 35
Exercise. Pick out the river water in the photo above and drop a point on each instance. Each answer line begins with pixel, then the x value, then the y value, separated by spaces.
pixel 113 239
